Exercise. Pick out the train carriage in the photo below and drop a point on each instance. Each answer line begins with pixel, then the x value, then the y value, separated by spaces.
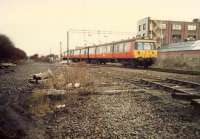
pixel 135 52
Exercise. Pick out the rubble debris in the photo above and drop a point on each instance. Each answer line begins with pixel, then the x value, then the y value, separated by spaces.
pixel 69 85
pixel 115 91
pixel 139 90
pixel 55 94
pixel 41 76
pixel 60 106
pixel 7 65
pixel 77 85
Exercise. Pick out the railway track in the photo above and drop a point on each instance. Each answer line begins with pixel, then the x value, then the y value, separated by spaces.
pixel 176 71
pixel 179 89
pixel 186 72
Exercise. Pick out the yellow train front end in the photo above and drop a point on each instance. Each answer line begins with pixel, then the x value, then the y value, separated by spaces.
pixel 145 52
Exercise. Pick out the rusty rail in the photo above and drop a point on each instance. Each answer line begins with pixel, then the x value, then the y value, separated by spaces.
pixel 178 93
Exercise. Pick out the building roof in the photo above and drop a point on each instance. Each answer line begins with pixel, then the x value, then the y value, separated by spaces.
pixel 182 46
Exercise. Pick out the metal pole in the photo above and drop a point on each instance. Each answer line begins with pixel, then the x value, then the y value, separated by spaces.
pixel 161 40
pixel 61 50
pixel 151 26
pixel 67 47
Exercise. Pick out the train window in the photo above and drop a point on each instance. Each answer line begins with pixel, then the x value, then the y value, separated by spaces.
pixel 85 52
pixel 108 48
pixel 149 46
pixel 145 46
pixel 153 46
pixel 101 50
pixel 139 46
pixel 77 52
pixel 126 47
pixel 117 47
pixel 121 47
pixel 111 48
pixel 105 49
pixel 114 48
pixel 97 50
pixel 92 50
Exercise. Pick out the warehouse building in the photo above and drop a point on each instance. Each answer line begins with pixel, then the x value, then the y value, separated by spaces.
pixel 167 32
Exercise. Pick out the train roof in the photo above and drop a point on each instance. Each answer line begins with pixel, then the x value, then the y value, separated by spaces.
pixel 115 42
pixel 182 46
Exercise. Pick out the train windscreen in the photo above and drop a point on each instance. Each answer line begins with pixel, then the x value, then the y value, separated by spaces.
pixel 145 46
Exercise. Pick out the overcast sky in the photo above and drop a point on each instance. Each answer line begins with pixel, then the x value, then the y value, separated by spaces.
pixel 38 25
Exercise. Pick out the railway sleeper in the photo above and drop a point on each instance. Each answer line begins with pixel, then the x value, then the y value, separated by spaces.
pixel 188 83
pixel 196 104
pixel 184 94
pixel 161 86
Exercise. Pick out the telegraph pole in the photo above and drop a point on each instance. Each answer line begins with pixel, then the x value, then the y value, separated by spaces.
pixel 67 47
pixel 161 36
pixel 61 50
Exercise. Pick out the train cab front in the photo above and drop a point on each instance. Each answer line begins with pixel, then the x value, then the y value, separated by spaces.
pixel 145 52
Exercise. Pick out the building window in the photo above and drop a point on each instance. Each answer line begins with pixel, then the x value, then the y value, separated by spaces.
pixel 139 27
pixel 176 27
pixel 163 26
pixel 144 26
pixel 191 27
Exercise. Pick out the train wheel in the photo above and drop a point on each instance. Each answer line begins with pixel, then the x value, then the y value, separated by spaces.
pixel 134 65
pixel 146 66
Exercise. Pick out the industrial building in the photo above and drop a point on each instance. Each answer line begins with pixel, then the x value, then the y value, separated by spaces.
pixel 167 32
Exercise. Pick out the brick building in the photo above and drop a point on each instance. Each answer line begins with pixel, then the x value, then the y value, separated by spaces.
pixel 166 32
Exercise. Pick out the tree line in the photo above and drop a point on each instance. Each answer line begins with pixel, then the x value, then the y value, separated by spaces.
pixel 8 51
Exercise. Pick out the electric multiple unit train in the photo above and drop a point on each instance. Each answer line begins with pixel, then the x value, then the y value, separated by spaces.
pixel 135 52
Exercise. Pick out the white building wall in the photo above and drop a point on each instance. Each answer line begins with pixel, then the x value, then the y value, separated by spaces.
pixel 143 27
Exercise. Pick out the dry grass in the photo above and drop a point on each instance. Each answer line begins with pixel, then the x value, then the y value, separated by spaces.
pixel 182 63
pixel 70 75
pixel 40 103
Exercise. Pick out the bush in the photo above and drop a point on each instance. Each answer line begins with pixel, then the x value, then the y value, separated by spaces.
pixel 8 51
